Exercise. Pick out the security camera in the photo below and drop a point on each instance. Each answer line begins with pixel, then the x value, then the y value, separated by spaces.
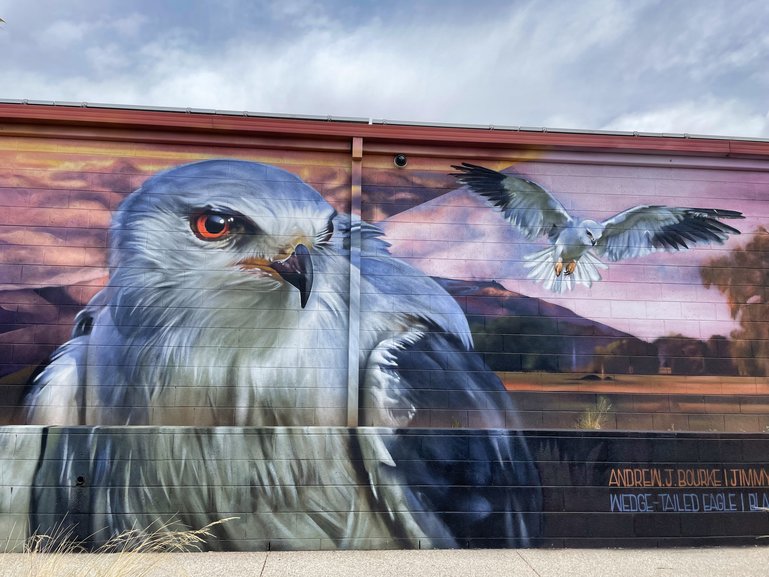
pixel 400 160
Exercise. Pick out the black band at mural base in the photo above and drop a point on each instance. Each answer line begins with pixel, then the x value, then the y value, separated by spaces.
pixel 614 489
pixel 327 487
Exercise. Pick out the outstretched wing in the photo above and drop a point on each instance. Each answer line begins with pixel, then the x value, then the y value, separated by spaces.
pixel 644 229
pixel 467 488
pixel 525 204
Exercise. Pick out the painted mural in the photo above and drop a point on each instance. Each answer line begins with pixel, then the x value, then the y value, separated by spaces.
pixel 194 336
pixel 667 302
pixel 227 272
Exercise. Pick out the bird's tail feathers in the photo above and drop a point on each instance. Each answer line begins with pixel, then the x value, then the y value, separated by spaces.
pixel 541 265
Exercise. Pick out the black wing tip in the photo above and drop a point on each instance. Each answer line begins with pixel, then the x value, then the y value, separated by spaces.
pixel 83 324
pixel 699 225
pixel 468 170
pixel 709 218
pixel 715 213
pixel 468 166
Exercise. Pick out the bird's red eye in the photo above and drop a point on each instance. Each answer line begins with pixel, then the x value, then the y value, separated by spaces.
pixel 211 226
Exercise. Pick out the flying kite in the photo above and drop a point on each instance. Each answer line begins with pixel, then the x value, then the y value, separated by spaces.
pixel 228 303
pixel 577 244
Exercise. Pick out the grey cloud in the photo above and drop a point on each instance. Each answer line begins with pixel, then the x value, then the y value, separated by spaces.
pixel 706 115
pixel 587 65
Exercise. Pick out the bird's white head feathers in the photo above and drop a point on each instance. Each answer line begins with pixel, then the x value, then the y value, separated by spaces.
pixel 590 232
pixel 248 232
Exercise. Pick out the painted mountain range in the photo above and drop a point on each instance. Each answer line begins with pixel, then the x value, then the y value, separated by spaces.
pixel 517 333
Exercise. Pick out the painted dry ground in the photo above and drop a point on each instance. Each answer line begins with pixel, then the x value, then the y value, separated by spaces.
pixel 637 384
pixel 641 402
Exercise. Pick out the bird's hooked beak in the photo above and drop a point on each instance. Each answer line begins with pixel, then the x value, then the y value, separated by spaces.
pixel 297 271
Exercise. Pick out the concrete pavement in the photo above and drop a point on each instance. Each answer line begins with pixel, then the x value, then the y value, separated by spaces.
pixel 711 562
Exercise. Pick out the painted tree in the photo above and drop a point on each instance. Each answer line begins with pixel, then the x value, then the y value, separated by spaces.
pixel 743 277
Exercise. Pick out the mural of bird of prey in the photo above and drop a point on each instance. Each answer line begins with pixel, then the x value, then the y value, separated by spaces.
pixel 577 244
pixel 228 304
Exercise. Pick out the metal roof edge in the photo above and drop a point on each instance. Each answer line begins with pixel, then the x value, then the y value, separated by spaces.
pixel 379 121
pixel 110 106
pixel 544 130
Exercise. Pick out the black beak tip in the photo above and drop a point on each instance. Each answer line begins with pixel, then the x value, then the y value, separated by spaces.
pixel 297 271
pixel 304 296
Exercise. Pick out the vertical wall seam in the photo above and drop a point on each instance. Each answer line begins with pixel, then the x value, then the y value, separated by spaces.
pixel 353 323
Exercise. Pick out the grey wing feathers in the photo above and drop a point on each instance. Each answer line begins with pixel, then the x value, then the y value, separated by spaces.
pixel 370 234
pixel 393 288
pixel 496 502
pixel 525 204
pixel 55 396
pixel 56 391
pixel 644 229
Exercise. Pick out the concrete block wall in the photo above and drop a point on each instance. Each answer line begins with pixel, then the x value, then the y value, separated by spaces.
pixel 307 488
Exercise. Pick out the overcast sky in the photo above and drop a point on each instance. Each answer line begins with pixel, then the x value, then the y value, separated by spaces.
pixel 683 66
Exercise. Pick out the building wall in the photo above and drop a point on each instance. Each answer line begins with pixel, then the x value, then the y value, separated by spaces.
pixel 592 489
pixel 429 392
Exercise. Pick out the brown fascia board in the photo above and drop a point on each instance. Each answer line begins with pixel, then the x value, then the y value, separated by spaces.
pixel 248 124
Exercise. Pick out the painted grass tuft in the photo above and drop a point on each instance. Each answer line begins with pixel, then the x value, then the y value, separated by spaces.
pixel 595 418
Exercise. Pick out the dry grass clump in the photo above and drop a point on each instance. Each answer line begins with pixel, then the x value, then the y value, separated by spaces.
pixel 133 553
